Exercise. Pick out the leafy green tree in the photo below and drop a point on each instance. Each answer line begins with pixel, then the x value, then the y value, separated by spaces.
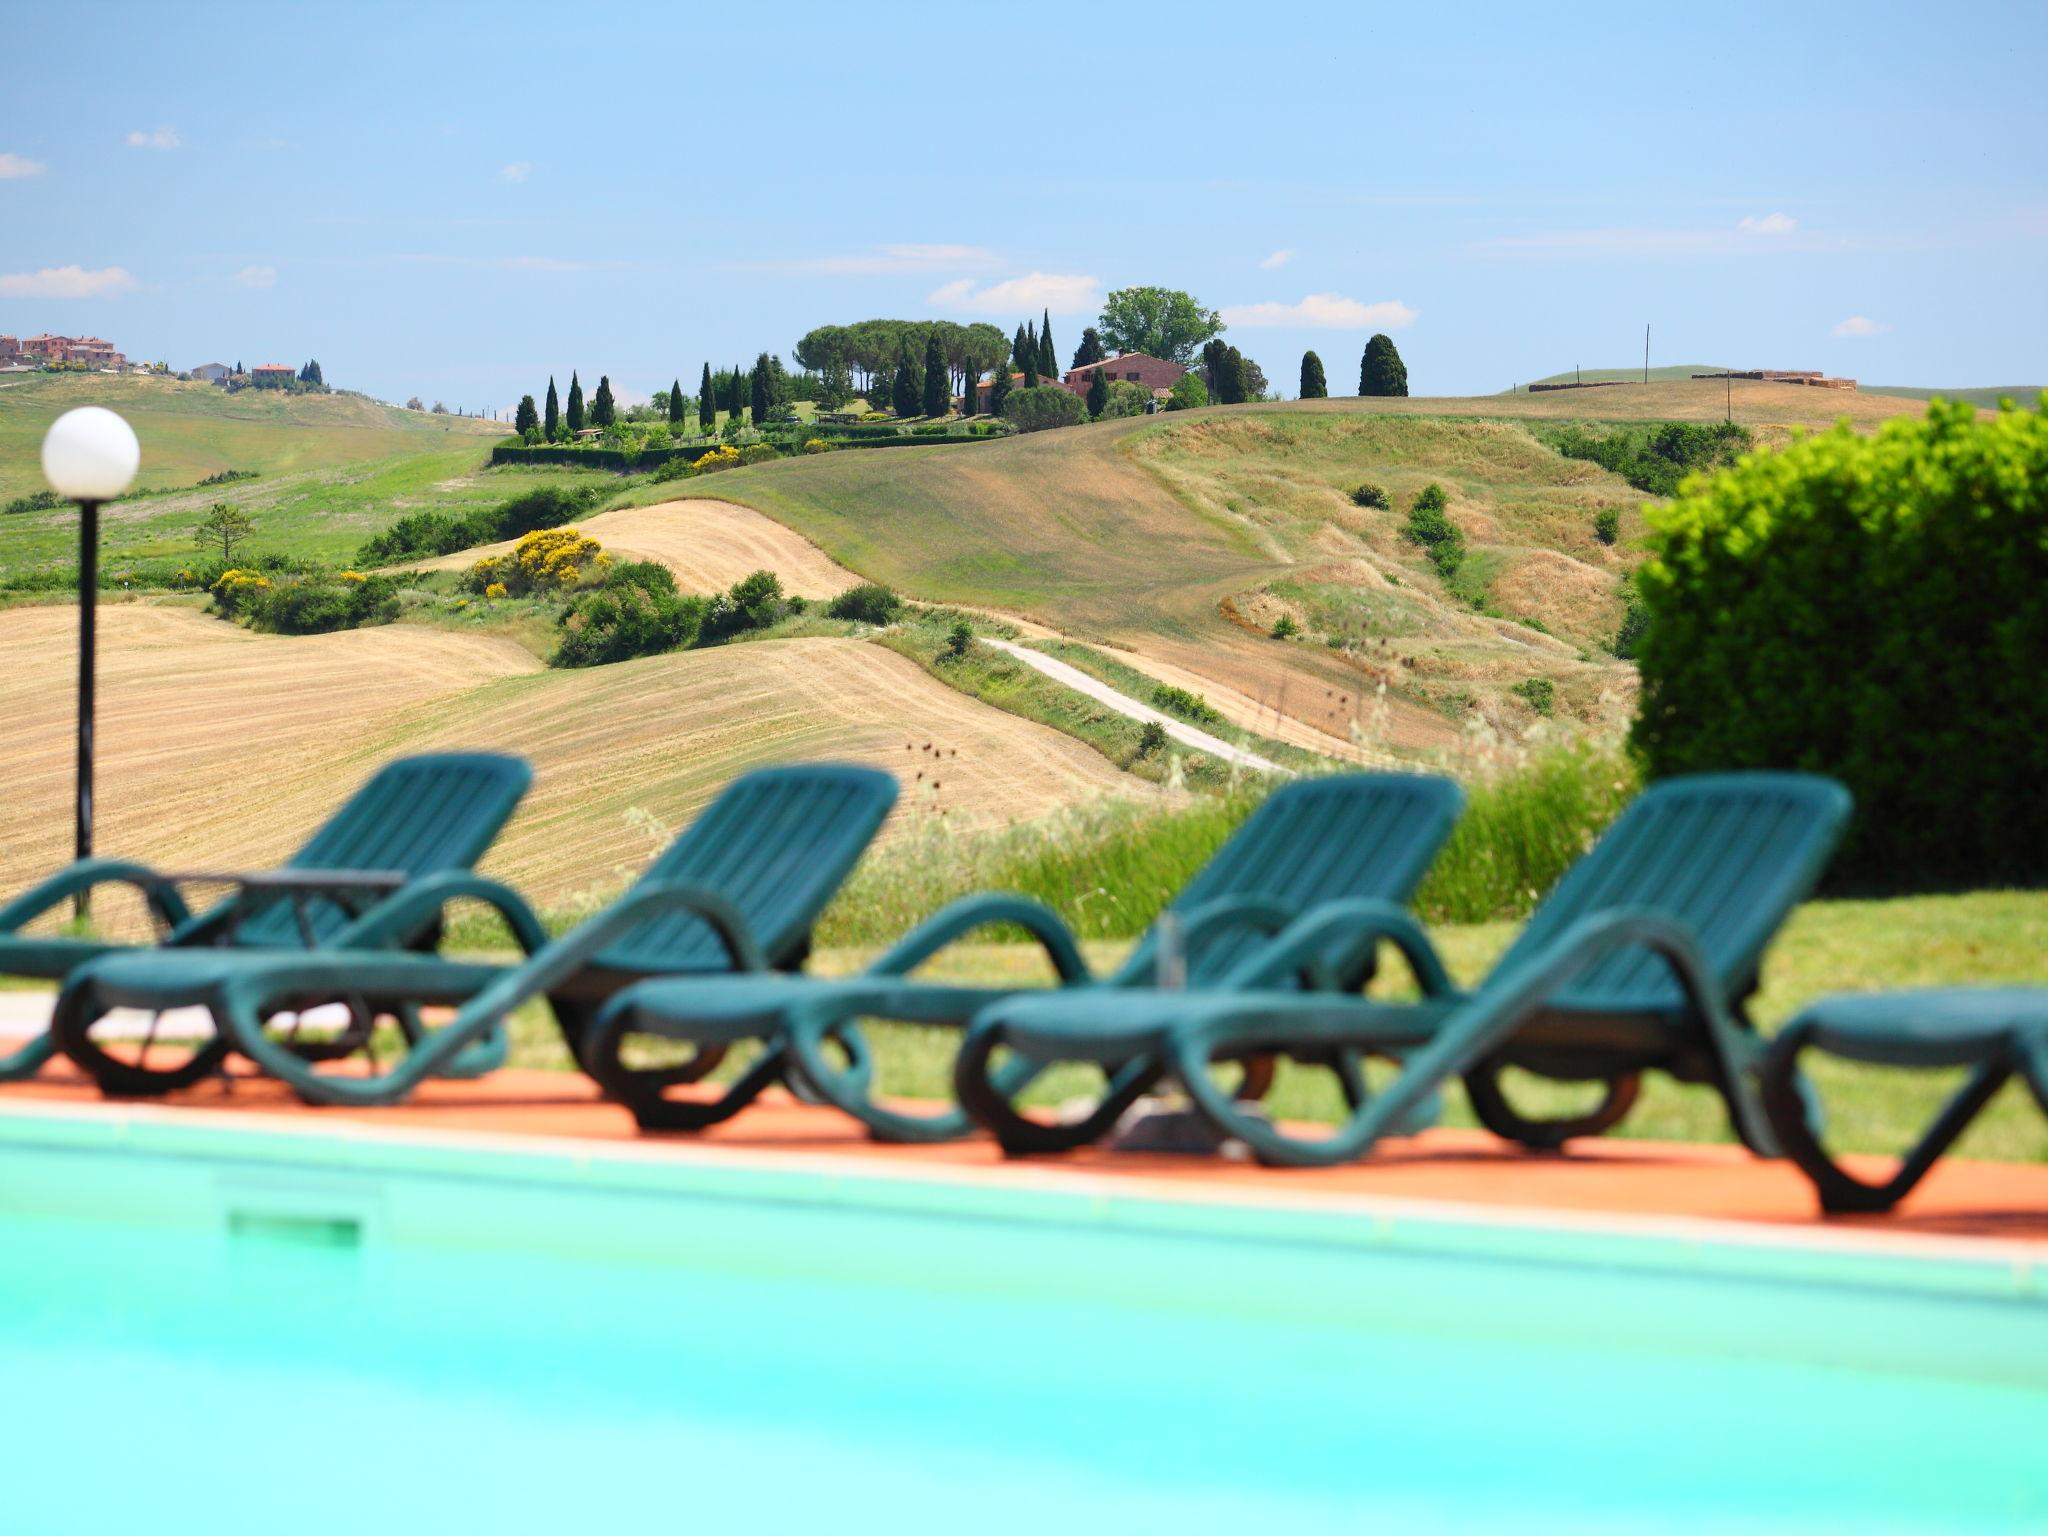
pixel 907 388
pixel 1428 525
pixel 937 396
pixel 1098 394
pixel 526 419
pixel 1091 348
pixel 603 409
pixel 551 427
pixel 224 525
pixel 1048 359
pixel 574 417
pixel 1188 393
pixel 675 403
pixel 1314 386
pixel 1125 399
pixel 1161 322
pixel 1223 373
pixel 1380 370
pixel 837 387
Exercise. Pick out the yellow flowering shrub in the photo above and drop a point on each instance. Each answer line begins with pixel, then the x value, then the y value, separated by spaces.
pixel 353 576
pixel 545 560
pixel 724 456
pixel 495 589
pixel 817 445
pixel 235 590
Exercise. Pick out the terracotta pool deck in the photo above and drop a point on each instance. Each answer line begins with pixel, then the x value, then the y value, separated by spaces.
pixel 1615 1180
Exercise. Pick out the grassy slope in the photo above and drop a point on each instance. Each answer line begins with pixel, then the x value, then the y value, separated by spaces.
pixel 1670 374
pixel 331 468
pixel 1985 397
pixel 1135 532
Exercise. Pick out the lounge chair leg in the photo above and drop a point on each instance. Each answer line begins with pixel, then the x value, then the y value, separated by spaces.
pixel 1842 1193
pixel 1490 1104
pixel 987 1096
pixel 643 1092
pixel 71 1028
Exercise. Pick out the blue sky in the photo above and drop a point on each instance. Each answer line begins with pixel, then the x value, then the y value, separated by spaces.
pixel 456 201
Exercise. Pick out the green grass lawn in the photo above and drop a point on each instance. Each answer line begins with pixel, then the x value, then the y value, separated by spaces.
pixel 1984 937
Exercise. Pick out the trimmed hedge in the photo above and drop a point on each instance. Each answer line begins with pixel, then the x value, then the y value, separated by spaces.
pixel 1875 608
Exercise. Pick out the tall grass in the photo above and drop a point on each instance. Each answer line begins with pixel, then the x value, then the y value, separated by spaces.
pixel 1108 870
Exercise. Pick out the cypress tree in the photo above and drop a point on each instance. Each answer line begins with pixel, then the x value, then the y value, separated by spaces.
pixel 999 388
pixel 1313 385
pixel 1027 357
pixel 575 415
pixel 908 390
pixel 603 410
pixel 970 386
pixel 552 426
pixel 707 402
pixel 1236 390
pixel 936 393
pixel 1098 394
pixel 760 390
pixel 675 403
pixel 526 419
pixel 1090 350
pixel 1380 370
pixel 1048 360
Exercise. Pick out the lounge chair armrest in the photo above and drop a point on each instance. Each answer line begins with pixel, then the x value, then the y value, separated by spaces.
pixel 1499 1008
pixel 161 894
pixel 1361 923
pixel 1228 914
pixel 962 917
pixel 400 917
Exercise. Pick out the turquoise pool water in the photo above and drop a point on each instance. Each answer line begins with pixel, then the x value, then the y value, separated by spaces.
pixel 231 1332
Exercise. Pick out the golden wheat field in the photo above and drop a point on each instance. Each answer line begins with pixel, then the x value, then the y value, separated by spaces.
pixel 220 749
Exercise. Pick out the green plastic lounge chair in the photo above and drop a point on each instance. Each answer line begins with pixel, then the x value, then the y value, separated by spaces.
pixel 1642 957
pixel 415 817
pixel 1312 841
pixel 738 889
pixel 1996 1032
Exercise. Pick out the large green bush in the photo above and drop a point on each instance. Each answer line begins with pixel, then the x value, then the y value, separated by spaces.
pixel 637 612
pixel 1652 456
pixel 1034 410
pixel 420 535
pixel 1875 608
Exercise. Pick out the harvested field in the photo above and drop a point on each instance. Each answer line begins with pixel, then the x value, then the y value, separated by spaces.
pixel 220 749
pixel 708 544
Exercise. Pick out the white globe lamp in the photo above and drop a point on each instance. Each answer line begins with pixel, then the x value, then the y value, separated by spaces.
pixel 89 456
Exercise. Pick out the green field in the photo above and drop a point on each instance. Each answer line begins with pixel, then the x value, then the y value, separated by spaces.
pixel 1985 397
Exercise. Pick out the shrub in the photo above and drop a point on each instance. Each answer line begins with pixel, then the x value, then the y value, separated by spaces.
pixel 1191 707
pixel 958 638
pixel 756 453
pixel 637 612
pixel 1652 456
pixel 1539 693
pixel 1871 608
pixel 867 603
pixel 1370 495
pixel 315 606
pixel 1431 527
pixel 42 501
pixel 1607 524
pixel 236 591
pixel 1188 393
pixel 1151 738
pixel 421 535
pixel 755 602
pixel 1125 399
pixel 1635 619
pixel 724 456
pixel 816 445
pixel 1284 627
pixel 1035 410
pixel 545 560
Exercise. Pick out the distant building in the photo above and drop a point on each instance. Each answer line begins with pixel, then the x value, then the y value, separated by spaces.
pixel 272 376
pixel 212 373
pixel 80 351
pixel 1149 373
pixel 1807 376
pixel 10 350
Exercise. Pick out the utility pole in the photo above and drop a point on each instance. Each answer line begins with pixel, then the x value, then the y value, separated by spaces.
pixel 1729 375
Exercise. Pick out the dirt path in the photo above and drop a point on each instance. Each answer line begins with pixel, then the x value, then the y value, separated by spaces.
pixel 1187 735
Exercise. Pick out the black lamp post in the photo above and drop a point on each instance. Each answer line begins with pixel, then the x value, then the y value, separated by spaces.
pixel 89 456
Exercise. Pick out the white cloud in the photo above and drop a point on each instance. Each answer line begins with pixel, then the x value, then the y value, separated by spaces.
pixel 1860 325
pixel 163 138
pixel 13 167
pixel 1329 310
pixel 66 283
pixel 884 259
pixel 1061 293
pixel 256 277
pixel 518 170
pixel 1277 259
pixel 1769 224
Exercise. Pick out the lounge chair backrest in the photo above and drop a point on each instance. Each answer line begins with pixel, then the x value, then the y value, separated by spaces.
pixel 418 815
pixel 776 844
pixel 1727 855
pixel 1315 840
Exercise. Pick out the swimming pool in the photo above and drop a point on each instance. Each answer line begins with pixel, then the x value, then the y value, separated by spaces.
pixel 213 1327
